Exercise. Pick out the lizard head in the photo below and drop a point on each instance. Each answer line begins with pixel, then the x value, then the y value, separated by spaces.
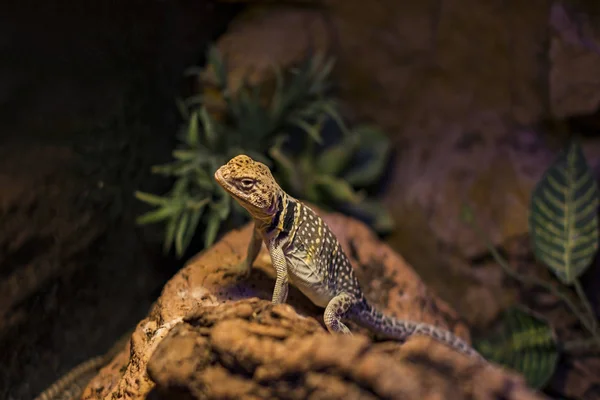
pixel 251 184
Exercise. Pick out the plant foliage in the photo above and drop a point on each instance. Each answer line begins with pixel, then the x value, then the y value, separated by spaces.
pixel 563 218
pixel 564 235
pixel 256 124
pixel 526 343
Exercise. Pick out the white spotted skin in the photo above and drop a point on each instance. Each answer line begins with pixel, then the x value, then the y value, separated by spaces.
pixel 314 268
pixel 320 269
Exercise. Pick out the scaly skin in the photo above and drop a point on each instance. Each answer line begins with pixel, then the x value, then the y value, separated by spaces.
pixel 305 252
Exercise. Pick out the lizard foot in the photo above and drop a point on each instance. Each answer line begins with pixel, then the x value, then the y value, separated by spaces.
pixel 242 270
pixel 335 311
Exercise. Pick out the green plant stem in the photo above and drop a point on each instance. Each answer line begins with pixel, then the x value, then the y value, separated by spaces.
pixel 582 344
pixel 531 280
pixel 588 306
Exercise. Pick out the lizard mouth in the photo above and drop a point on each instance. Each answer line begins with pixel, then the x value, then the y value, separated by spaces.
pixel 231 189
pixel 222 181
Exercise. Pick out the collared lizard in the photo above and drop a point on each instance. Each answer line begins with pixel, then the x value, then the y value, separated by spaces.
pixel 306 253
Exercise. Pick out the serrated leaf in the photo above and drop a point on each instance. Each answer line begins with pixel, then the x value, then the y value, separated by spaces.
pixel 212 228
pixel 526 344
pixel 563 218
pixel 336 189
pixel 151 199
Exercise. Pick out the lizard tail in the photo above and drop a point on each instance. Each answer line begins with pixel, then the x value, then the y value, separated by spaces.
pixel 389 327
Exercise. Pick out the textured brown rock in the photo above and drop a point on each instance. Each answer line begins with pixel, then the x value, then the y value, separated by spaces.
pixel 575 55
pixel 251 349
pixel 208 298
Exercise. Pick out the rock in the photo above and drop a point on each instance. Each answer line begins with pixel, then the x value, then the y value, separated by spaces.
pixel 575 61
pixel 251 349
pixel 212 279
pixel 251 48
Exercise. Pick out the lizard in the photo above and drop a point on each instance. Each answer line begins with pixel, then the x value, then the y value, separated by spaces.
pixel 305 252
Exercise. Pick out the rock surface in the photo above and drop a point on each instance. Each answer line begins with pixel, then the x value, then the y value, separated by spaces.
pixel 209 332
pixel 251 349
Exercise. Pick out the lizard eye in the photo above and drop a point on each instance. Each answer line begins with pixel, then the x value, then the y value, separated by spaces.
pixel 247 183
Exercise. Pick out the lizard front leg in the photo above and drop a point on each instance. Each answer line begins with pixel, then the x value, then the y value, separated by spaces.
pixel 280 292
pixel 336 310
pixel 252 251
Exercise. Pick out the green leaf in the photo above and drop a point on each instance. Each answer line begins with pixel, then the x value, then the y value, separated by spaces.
pixel 322 74
pixel 377 146
pixel 526 344
pixel 222 207
pixel 194 101
pixel 208 126
pixel 204 180
pixel 166 169
pixel 185 155
pixel 170 233
pixel 157 215
pixel 286 171
pixel 151 199
pixel 180 233
pixel 212 228
pixel 337 189
pixel 192 137
pixel 182 108
pixel 330 108
pixel 563 218
pixel 374 214
pixel 314 131
pixel 335 158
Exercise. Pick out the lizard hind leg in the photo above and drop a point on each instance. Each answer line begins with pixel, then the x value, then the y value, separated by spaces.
pixel 336 310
